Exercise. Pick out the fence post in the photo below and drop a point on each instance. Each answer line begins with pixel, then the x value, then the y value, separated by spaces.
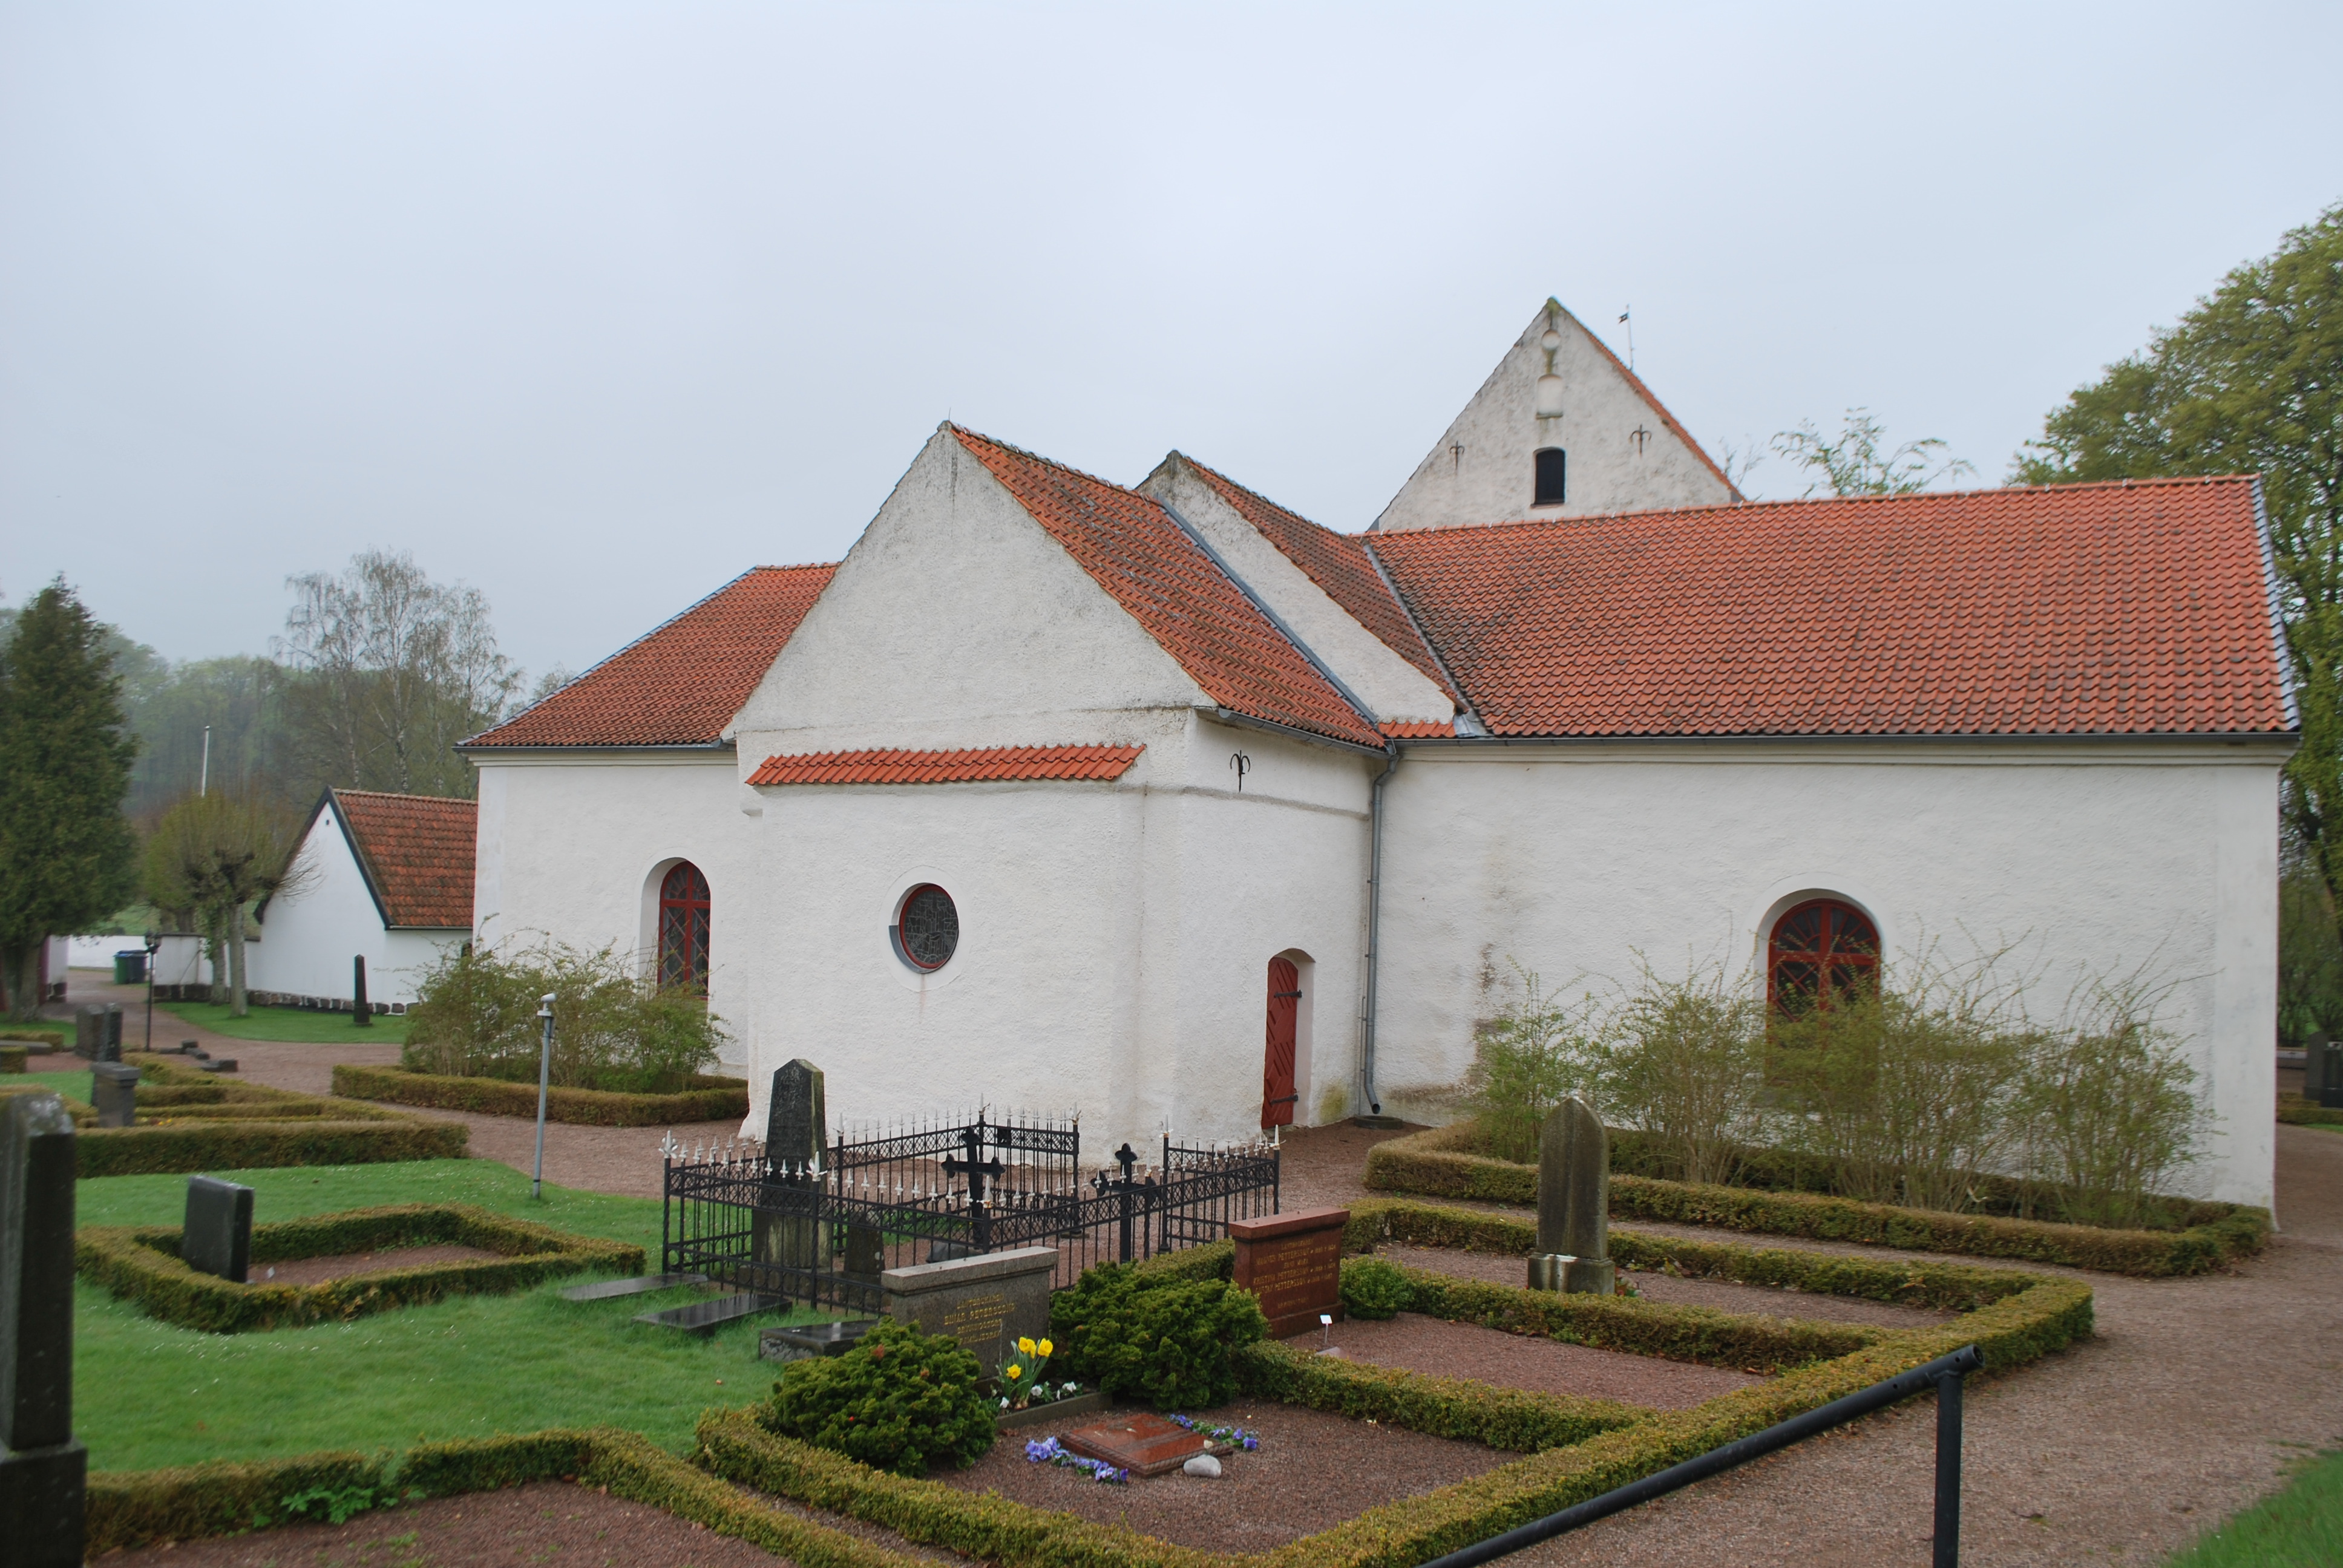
pixel 1948 1471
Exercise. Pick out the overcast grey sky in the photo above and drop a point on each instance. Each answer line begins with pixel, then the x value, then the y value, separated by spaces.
pixel 594 306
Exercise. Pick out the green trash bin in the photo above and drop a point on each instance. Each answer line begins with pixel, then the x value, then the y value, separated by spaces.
pixel 130 966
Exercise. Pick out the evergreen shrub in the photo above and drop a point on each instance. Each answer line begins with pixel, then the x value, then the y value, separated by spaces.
pixel 1374 1288
pixel 900 1400
pixel 1167 1340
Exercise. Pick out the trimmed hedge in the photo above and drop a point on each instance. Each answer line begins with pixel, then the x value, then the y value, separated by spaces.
pixel 197 1146
pixel 141 1508
pixel 710 1099
pixel 56 1037
pixel 2301 1110
pixel 1431 1164
pixel 2030 1317
pixel 142 1263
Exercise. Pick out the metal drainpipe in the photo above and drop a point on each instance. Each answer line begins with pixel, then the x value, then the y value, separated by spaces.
pixel 1374 921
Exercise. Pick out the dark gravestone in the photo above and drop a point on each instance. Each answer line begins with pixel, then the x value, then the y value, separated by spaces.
pixel 89 1031
pixel 2322 1071
pixel 1574 1231
pixel 866 1252
pixel 112 1050
pixel 361 1009
pixel 789 1237
pixel 811 1342
pixel 114 1091
pixel 216 1237
pixel 42 1471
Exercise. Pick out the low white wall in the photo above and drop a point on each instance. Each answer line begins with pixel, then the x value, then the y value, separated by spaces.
pixel 2095 858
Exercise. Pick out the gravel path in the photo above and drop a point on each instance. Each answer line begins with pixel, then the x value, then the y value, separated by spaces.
pixel 1540 1365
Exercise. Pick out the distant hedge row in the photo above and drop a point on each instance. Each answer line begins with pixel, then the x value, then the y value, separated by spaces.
pixel 708 1098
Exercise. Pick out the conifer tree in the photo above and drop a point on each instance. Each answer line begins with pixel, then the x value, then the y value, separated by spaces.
pixel 67 855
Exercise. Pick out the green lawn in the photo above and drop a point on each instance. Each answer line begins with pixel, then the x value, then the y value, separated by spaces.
pixel 277 1023
pixel 2300 1527
pixel 73 1084
pixel 147 1393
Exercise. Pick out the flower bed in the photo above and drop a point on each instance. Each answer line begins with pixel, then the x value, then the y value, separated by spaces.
pixel 1438 1164
pixel 708 1099
pixel 142 1263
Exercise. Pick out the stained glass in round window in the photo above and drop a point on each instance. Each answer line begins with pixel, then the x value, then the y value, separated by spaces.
pixel 928 927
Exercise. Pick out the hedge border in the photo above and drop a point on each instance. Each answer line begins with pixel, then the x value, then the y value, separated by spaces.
pixel 142 1508
pixel 197 1146
pixel 718 1099
pixel 2301 1110
pixel 141 1264
pixel 2031 1316
pixel 1419 1163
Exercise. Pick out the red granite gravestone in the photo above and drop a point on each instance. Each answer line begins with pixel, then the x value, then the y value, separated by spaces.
pixel 1142 1442
pixel 1293 1262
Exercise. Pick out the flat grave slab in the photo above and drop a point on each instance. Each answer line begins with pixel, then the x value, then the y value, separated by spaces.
pixel 706 1317
pixel 810 1341
pixel 641 1285
pixel 1140 1441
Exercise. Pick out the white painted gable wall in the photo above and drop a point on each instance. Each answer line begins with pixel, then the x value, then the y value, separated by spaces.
pixel 306 941
pixel 1482 469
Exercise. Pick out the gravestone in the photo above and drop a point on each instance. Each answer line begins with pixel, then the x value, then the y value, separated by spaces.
pixel 2322 1071
pixel 42 1471
pixel 216 1237
pixel 788 1236
pixel 114 1091
pixel 361 1009
pixel 866 1252
pixel 1574 1231
pixel 1141 1442
pixel 811 1342
pixel 986 1303
pixel 112 1050
pixel 89 1030
pixel 1294 1263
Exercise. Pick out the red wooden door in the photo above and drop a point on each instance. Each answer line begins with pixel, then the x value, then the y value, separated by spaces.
pixel 1277 1094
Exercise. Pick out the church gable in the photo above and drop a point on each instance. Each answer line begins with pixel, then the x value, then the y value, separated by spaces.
pixel 1320 583
pixel 955 620
pixel 1559 430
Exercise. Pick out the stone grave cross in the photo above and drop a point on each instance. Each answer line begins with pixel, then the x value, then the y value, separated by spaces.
pixel 43 1471
pixel 1573 1230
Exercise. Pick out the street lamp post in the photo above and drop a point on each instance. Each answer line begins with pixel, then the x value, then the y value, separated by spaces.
pixel 544 1076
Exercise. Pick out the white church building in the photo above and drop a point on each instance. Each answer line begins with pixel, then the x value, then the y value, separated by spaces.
pixel 1166 804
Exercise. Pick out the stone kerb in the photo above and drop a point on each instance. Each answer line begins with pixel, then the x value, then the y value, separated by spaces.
pixel 987 1303
pixel 1294 1263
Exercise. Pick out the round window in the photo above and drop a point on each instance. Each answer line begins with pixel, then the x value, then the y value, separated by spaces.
pixel 927 929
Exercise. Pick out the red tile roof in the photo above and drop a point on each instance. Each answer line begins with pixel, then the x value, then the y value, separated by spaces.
pixel 2138 607
pixel 1419 730
pixel 681 684
pixel 992 763
pixel 1337 563
pixel 417 853
pixel 1131 546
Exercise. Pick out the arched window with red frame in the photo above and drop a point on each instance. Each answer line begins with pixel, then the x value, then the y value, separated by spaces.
pixel 683 927
pixel 1821 951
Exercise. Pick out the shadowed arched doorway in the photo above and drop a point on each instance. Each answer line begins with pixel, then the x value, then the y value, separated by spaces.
pixel 1278 1087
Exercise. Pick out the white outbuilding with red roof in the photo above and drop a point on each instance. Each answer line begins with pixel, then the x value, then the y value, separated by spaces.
pixel 1056 792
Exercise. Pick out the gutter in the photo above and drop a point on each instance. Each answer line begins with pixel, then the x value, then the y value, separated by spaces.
pixel 1374 926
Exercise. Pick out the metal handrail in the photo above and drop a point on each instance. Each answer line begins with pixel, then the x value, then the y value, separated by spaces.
pixel 1945 1372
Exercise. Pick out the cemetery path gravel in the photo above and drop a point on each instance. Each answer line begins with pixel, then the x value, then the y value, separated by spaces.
pixel 2189 1404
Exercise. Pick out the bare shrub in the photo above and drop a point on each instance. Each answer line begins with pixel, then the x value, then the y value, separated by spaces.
pixel 1529 1057
pixel 1684 1060
pixel 476 1016
pixel 2110 1110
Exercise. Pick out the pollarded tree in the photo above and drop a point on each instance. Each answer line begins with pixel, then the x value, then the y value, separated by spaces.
pixel 2249 381
pixel 67 855
pixel 215 855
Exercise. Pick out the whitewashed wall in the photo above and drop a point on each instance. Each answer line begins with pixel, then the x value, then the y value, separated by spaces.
pixel 1115 936
pixel 2098 858
pixel 305 942
pixel 1481 472
pixel 573 847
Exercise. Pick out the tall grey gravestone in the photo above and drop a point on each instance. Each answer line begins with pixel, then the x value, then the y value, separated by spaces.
pixel 216 1237
pixel 788 1236
pixel 1574 1232
pixel 42 1471
pixel 114 1092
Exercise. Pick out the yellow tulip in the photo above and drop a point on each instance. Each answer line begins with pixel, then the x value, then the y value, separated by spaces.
pixel 1013 1371
pixel 1045 1349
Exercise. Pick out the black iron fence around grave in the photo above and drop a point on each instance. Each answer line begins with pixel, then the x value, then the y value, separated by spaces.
pixel 824 1233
